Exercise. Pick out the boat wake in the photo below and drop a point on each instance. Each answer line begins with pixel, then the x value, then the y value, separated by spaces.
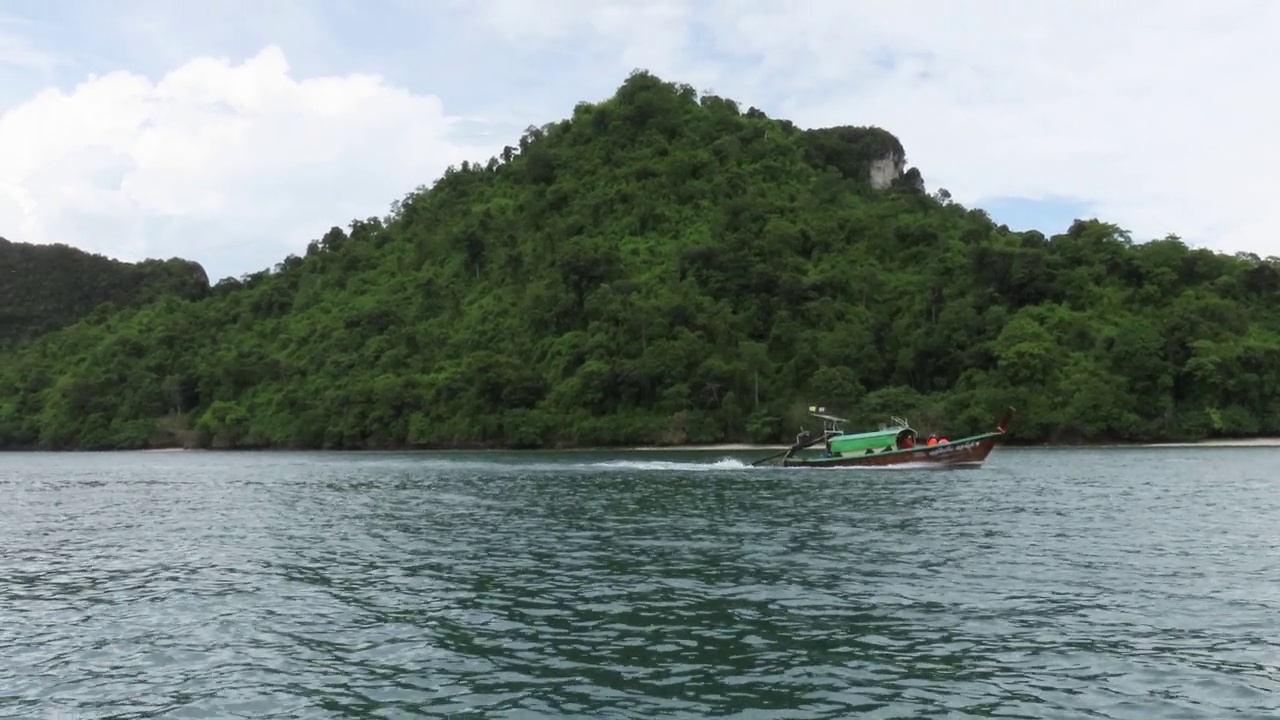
pixel 735 464
pixel 670 465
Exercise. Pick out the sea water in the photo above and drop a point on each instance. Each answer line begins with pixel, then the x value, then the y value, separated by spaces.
pixel 1105 583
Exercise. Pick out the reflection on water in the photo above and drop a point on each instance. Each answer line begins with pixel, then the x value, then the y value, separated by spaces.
pixel 1110 584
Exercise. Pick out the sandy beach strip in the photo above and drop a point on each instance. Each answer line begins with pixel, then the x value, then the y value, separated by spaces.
pixel 1223 442
pixel 754 448
pixel 748 447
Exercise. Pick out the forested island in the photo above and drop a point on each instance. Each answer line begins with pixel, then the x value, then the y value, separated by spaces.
pixel 660 268
pixel 47 287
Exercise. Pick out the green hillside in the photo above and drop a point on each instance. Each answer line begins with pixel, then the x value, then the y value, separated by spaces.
pixel 46 287
pixel 666 268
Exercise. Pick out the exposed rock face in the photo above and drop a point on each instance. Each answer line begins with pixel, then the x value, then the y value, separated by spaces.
pixel 865 154
pixel 887 169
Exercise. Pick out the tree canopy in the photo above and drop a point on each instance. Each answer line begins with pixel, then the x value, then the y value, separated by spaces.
pixel 47 287
pixel 663 267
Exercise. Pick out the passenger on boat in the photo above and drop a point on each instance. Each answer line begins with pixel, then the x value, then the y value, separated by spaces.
pixel 907 442
pixel 933 440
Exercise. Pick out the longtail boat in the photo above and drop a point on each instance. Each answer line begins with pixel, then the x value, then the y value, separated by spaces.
pixel 896 443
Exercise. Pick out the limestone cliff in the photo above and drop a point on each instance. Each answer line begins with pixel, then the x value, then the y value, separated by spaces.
pixel 867 155
pixel 886 170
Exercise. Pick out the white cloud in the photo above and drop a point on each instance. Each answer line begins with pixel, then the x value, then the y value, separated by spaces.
pixel 1161 114
pixel 231 165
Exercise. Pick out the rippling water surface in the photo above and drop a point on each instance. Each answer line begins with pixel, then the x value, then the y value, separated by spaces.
pixel 1136 583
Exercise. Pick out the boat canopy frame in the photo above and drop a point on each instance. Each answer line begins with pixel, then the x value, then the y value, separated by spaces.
pixel 838 442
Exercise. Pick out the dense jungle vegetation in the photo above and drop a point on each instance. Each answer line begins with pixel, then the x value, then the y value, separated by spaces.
pixel 46 287
pixel 662 267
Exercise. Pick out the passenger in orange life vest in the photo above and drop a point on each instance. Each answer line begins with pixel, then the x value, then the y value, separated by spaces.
pixel 933 440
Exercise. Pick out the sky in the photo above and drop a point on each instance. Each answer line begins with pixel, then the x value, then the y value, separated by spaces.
pixel 235 132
